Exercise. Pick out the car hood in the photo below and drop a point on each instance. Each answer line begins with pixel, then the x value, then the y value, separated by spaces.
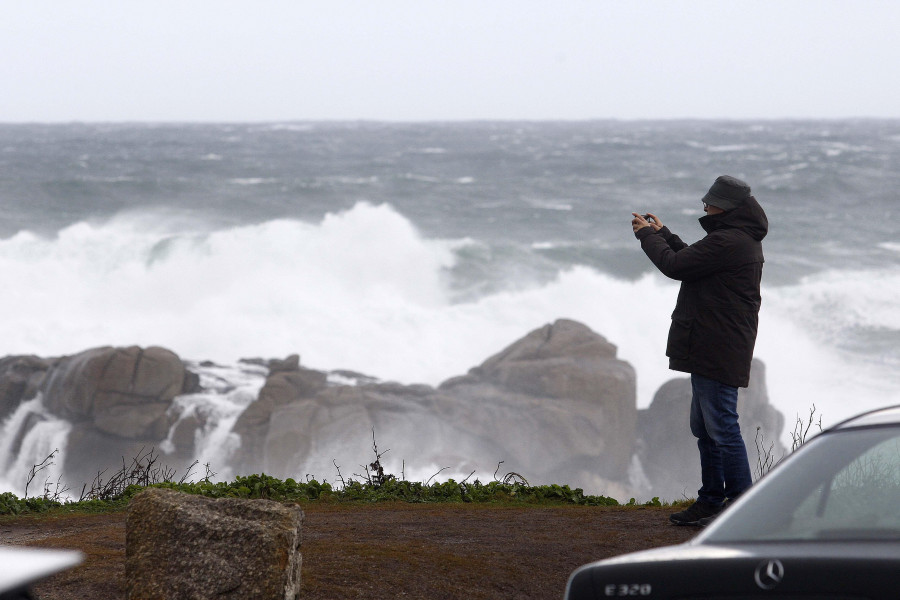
pixel 849 569
pixel 691 551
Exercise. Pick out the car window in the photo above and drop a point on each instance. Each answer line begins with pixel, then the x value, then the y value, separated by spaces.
pixel 844 485
pixel 862 500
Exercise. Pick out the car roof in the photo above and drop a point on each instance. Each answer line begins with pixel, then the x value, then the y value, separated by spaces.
pixel 889 415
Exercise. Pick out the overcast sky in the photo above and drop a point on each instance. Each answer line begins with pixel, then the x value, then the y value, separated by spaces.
pixel 401 60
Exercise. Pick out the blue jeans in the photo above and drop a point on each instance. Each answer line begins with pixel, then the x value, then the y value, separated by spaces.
pixel 724 468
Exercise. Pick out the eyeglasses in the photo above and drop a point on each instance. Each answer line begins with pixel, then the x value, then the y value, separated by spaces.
pixel 705 205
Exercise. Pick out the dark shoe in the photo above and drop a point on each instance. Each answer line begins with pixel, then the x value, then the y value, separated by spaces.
pixel 694 513
pixel 707 520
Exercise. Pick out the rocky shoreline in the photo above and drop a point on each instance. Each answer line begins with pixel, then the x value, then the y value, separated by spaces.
pixel 557 406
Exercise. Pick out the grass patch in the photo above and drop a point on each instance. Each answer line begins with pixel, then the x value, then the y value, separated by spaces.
pixel 312 491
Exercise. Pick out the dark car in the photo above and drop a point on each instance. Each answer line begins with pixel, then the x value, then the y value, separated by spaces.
pixel 823 524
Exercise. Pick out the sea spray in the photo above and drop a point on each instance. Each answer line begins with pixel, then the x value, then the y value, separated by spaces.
pixel 29 437
pixel 362 246
pixel 364 290
pixel 227 391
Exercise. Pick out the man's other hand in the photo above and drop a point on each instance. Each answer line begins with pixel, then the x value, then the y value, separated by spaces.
pixel 640 221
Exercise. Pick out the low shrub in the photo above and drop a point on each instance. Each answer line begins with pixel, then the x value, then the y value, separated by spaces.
pixel 290 490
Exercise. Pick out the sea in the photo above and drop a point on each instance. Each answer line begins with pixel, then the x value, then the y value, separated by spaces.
pixel 411 252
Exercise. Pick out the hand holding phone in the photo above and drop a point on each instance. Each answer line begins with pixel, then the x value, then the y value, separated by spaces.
pixel 654 221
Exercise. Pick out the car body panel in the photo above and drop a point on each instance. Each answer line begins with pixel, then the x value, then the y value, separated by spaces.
pixel 823 524
pixel 811 570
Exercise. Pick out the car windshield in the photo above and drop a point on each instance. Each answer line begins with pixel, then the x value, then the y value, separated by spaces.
pixel 842 485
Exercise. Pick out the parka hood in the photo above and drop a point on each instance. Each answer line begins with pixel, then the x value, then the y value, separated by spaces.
pixel 749 217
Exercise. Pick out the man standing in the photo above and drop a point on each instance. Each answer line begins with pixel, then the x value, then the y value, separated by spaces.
pixel 713 330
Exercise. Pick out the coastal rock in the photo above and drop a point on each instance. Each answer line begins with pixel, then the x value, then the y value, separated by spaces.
pixel 20 379
pixel 117 401
pixel 182 440
pixel 569 365
pixel 92 454
pixel 184 546
pixel 287 382
pixel 758 414
pixel 551 361
pixel 667 450
pixel 556 406
pixel 121 391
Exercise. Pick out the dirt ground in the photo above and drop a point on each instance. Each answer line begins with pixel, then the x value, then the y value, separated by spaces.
pixel 391 550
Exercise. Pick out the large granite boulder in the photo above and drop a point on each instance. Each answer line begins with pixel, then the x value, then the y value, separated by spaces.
pixel 183 546
pixel 117 400
pixel 667 450
pixel 565 359
pixel 121 391
pixel 585 395
pixel 557 406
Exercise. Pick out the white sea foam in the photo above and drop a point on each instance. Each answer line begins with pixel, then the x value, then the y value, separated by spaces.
pixel 227 391
pixel 421 178
pixel 250 180
pixel 362 290
pixel 550 204
pixel 44 443
pixel 730 148
pixel 302 127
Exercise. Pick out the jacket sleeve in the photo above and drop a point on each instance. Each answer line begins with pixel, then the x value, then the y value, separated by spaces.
pixel 672 240
pixel 689 262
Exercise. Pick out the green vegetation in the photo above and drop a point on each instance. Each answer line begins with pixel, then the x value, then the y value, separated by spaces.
pixel 265 486
pixel 289 490
pixel 114 493
pixel 11 505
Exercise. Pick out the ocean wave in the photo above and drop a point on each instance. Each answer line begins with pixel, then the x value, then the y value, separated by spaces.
pixel 364 290
pixel 544 204
pixel 838 304
pixel 420 178
pixel 730 148
pixel 250 180
pixel 46 439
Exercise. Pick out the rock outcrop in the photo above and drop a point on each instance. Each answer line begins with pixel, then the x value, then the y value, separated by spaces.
pixel 184 546
pixel 287 382
pixel 117 400
pixel 121 391
pixel 557 405
pixel 668 451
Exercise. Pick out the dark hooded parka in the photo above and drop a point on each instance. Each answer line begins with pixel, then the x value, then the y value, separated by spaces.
pixel 714 324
